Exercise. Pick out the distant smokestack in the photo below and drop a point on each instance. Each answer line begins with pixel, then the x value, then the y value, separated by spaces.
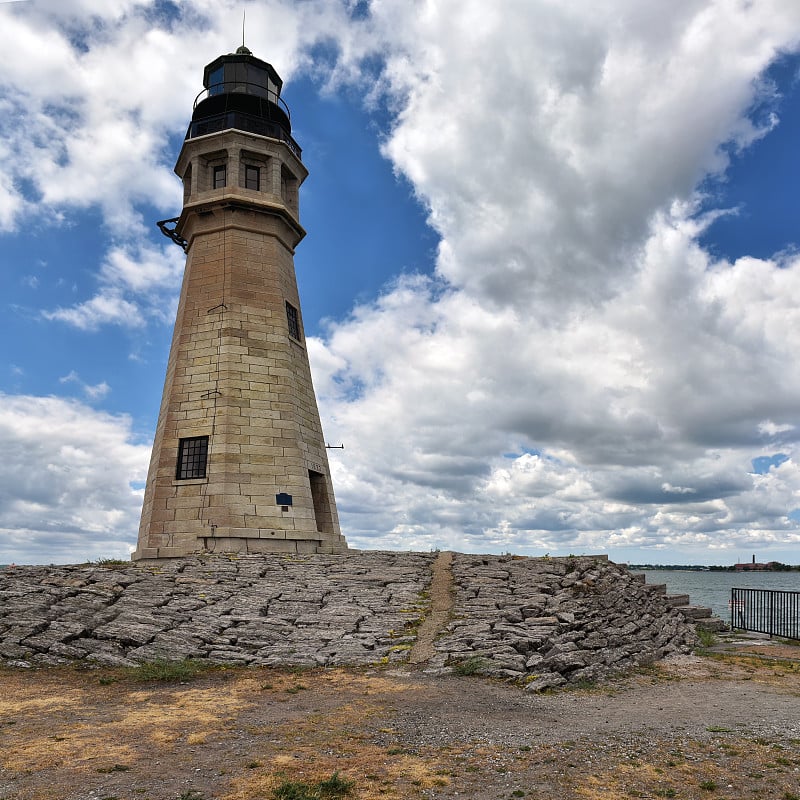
pixel 754 558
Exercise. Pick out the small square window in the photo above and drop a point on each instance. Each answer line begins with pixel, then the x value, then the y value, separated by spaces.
pixel 219 176
pixel 252 177
pixel 192 458
pixel 293 318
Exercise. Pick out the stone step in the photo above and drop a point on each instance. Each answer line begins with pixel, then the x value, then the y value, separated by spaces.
pixel 713 624
pixel 676 600
pixel 695 612
pixel 701 617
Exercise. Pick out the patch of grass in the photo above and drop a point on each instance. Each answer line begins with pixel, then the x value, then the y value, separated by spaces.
pixel 328 789
pixel 167 671
pixel 707 638
pixel 669 792
pixel 708 786
pixel 298 687
pixel 114 768
pixel 111 563
pixel 582 684
pixel 718 729
pixel 191 794
pixel 472 666
pixel 335 786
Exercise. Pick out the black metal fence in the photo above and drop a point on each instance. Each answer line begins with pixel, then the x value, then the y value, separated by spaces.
pixel 766 611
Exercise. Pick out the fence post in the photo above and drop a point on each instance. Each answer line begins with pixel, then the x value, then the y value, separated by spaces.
pixel 771 614
pixel 732 604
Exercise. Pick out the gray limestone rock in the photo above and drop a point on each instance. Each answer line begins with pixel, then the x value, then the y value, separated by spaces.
pixel 540 621
pixel 547 681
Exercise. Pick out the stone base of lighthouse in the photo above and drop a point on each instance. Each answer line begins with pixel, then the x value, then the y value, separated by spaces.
pixel 246 544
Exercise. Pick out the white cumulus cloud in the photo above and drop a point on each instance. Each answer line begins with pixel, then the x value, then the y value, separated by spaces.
pixel 68 481
pixel 578 373
pixel 580 324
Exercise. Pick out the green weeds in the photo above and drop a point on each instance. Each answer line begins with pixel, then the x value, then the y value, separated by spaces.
pixel 328 789
pixel 167 671
pixel 111 563
pixel 472 666
pixel 707 638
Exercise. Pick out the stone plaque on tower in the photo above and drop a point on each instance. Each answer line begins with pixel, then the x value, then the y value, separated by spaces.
pixel 239 463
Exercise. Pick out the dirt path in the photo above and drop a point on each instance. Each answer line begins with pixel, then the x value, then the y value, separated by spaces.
pixel 713 727
pixel 442 601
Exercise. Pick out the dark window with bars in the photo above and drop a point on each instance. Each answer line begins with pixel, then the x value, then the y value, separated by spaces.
pixel 219 176
pixel 252 177
pixel 293 318
pixel 192 458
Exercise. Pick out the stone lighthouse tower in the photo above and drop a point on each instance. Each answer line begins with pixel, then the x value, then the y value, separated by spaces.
pixel 239 463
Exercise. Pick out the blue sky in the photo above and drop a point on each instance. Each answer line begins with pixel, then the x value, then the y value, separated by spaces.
pixel 551 294
pixel 760 182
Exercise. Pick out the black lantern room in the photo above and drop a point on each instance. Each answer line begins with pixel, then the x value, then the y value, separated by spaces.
pixel 242 92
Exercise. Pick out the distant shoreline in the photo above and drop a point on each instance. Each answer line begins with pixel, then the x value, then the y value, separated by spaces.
pixel 773 566
pixel 745 567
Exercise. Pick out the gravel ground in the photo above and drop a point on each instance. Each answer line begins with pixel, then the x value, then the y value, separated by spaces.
pixel 724 725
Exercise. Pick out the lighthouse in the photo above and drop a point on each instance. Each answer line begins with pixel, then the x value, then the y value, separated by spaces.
pixel 239 463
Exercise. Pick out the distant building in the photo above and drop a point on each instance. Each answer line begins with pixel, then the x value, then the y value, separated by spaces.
pixel 754 566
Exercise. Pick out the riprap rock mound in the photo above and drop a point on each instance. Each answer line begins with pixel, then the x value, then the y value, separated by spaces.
pixel 541 621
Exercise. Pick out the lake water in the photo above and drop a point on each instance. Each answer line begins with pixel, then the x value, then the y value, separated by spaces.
pixel 714 588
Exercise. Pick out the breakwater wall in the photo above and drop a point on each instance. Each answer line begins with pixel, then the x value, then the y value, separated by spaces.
pixel 541 621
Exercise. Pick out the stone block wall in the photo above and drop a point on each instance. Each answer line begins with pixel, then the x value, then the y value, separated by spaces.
pixel 538 621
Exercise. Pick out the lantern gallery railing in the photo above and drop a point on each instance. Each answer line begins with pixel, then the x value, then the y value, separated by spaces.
pixel 243 122
pixel 770 611
pixel 245 106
